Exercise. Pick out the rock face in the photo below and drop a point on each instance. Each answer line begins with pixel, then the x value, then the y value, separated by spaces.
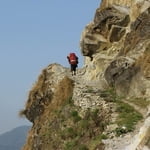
pixel 60 103
pixel 84 111
pixel 117 43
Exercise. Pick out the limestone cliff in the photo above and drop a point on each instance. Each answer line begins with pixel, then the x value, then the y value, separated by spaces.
pixel 106 106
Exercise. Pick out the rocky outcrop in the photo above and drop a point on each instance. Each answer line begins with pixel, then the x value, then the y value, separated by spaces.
pixel 43 91
pixel 119 45
pixel 99 108
pixel 116 48
pixel 60 103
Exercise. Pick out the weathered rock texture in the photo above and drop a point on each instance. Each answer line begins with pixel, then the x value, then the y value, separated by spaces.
pixel 58 104
pixel 70 112
pixel 118 45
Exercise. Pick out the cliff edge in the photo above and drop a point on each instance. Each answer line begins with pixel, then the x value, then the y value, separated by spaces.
pixel 106 106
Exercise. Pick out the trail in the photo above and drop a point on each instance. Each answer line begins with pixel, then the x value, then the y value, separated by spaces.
pixel 87 95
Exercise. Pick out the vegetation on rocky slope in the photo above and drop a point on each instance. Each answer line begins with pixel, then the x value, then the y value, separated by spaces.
pixel 127 116
pixel 68 130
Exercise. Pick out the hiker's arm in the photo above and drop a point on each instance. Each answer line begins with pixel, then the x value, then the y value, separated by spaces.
pixel 68 59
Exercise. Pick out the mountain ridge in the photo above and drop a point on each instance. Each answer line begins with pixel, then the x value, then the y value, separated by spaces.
pixel 13 139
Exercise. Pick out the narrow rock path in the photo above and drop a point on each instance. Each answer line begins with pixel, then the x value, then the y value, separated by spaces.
pixel 87 95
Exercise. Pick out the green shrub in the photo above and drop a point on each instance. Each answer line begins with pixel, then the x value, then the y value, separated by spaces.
pixel 74 113
pixel 75 116
pixel 103 136
pixel 76 119
pixel 127 118
pixel 68 133
pixel 70 145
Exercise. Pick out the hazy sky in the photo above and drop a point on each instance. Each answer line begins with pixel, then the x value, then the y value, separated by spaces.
pixel 34 34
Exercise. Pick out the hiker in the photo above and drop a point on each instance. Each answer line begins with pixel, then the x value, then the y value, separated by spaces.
pixel 73 61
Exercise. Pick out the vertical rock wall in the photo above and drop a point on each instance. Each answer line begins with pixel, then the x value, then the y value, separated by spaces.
pixel 116 46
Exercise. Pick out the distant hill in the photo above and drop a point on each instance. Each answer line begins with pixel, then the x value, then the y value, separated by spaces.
pixel 14 139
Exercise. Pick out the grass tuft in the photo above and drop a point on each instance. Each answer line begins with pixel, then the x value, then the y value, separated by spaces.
pixel 127 118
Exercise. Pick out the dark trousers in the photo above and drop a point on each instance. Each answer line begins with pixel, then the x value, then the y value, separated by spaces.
pixel 73 68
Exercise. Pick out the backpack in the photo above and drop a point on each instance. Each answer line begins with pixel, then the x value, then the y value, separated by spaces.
pixel 73 58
